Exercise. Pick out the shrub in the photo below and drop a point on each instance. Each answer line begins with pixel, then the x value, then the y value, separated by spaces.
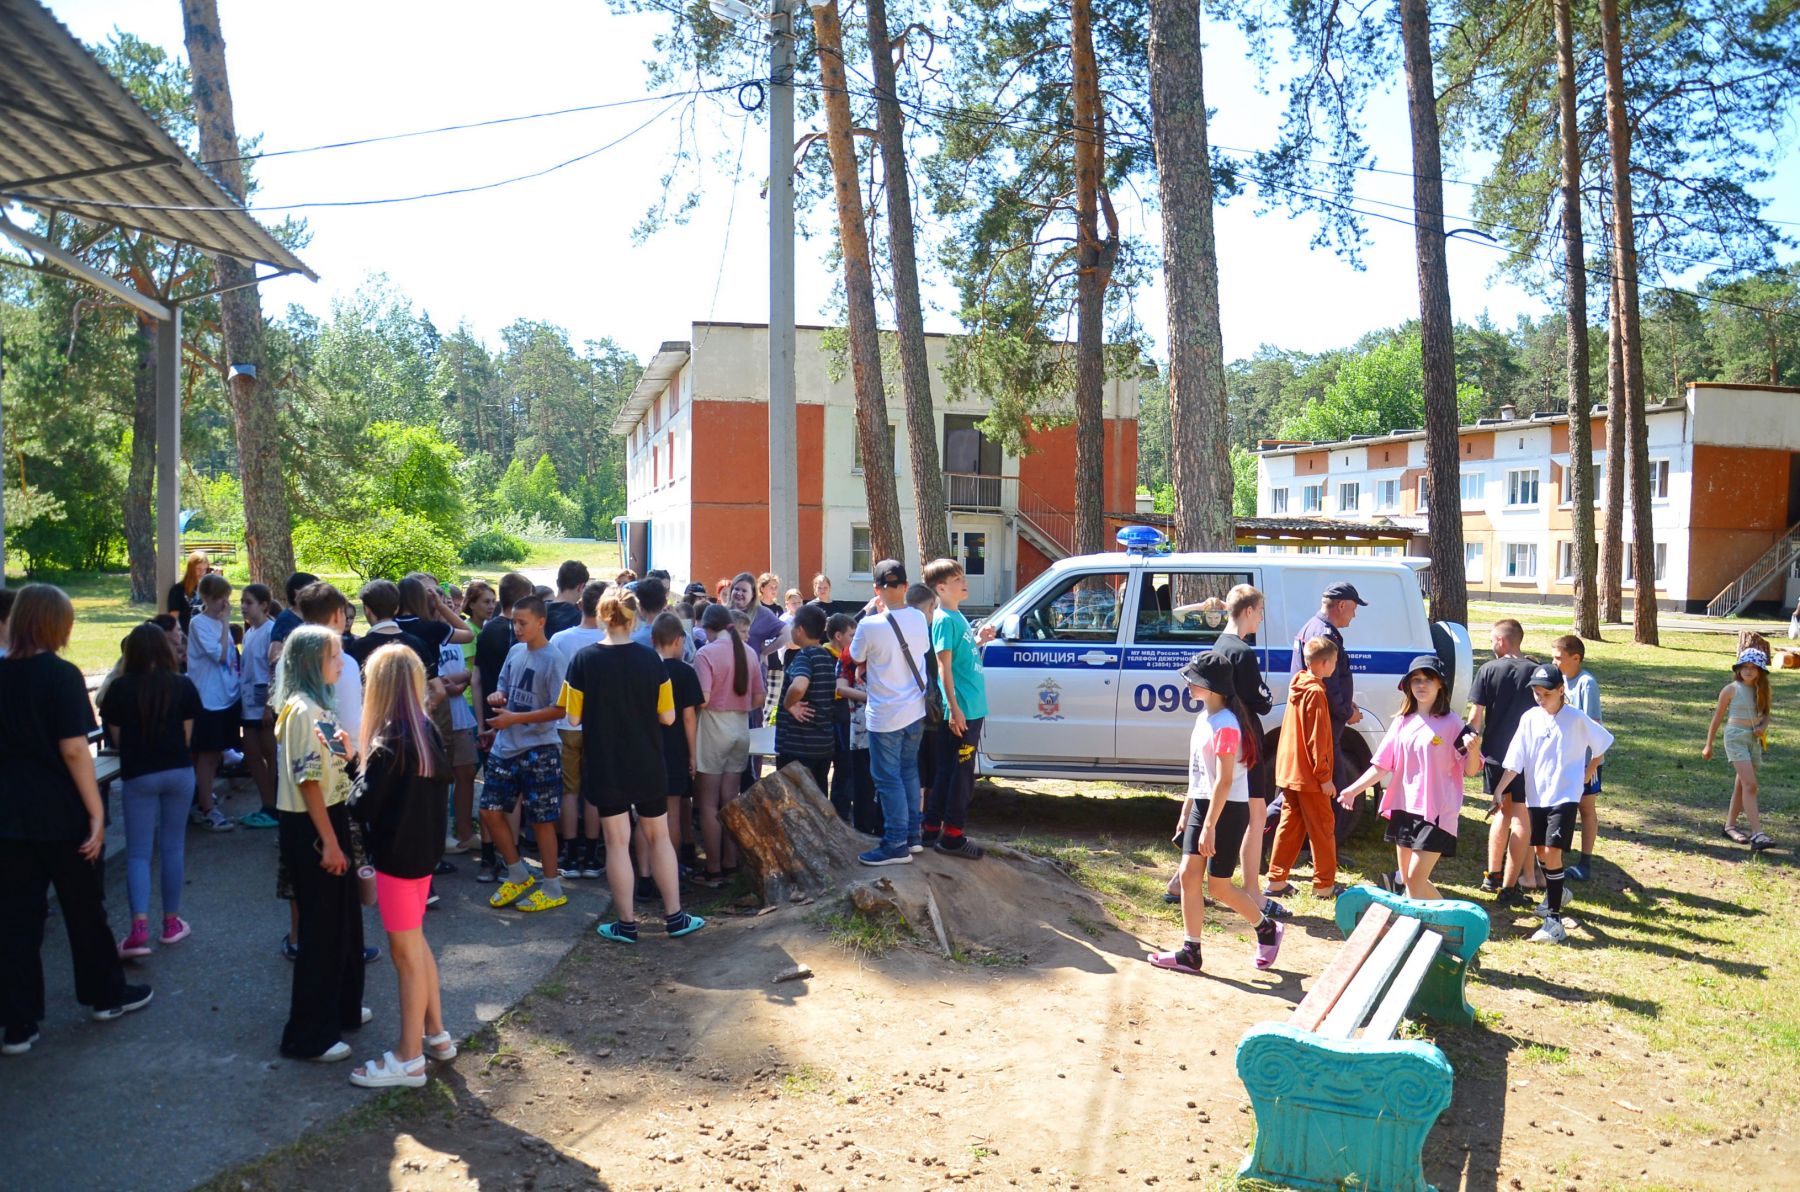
pixel 494 546
pixel 386 544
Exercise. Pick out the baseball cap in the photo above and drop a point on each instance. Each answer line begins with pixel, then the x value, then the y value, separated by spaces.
pixel 693 590
pixel 1424 662
pixel 889 573
pixel 1210 671
pixel 1547 677
pixel 1343 590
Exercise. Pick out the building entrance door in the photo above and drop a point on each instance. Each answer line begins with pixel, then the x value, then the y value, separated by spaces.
pixel 974 543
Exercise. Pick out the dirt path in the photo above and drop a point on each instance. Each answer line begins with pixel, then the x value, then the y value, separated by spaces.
pixel 684 1065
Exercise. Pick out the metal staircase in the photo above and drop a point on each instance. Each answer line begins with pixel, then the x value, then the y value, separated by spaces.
pixel 1048 528
pixel 1765 571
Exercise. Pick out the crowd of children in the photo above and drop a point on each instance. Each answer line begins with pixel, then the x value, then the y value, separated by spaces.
pixel 1534 730
pixel 609 724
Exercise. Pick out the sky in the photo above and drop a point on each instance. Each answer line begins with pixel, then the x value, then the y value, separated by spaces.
pixel 560 249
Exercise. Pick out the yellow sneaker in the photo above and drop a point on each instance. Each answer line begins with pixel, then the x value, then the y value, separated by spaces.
pixel 540 900
pixel 509 892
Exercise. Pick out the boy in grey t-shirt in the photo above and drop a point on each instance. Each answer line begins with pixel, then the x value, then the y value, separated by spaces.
pixel 525 762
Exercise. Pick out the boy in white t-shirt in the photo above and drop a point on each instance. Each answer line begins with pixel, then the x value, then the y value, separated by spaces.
pixel 1557 750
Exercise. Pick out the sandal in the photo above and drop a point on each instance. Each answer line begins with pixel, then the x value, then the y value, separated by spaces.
pixel 440 1047
pixel 1284 890
pixel 388 1072
pixel 1761 841
pixel 1185 959
pixel 1736 834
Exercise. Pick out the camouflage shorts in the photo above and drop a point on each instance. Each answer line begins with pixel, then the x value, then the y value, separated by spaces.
pixel 533 778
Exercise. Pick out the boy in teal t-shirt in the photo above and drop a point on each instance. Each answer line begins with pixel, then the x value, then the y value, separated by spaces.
pixel 955 650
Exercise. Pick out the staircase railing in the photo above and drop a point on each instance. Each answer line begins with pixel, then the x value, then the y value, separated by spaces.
pixel 1057 526
pixel 1759 575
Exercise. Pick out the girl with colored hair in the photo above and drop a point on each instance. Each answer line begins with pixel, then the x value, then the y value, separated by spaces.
pixel 1743 709
pixel 149 713
pixel 312 792
pixel 400 770
pixel 184 595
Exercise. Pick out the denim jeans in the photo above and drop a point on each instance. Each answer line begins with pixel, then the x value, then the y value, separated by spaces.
pixel 156 805
pixel 894 757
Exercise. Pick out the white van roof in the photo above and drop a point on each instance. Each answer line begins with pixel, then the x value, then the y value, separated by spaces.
pixel 1298 562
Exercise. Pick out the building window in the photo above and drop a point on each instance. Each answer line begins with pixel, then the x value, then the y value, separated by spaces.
pixel 1474 561
pixel 1349 496
pixel 1424 494
pixel 1387 496
pixel 1385 552
pixel 1662 563
pixel 1278 498
pixel 856 458
pixel 1521 560
pixel 1309 550
pixel 860 563
pixel 1598 471
pixel 1474 486
pixel 1659 481
pixel 1565 562
pixel 1312 498
pixel 1522 488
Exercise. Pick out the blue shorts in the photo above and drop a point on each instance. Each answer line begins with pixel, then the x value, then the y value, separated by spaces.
pixel 1593 788
pixel 534 777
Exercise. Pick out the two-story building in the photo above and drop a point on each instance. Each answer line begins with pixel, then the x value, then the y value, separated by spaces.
pixel 1724 490
pixel 697 472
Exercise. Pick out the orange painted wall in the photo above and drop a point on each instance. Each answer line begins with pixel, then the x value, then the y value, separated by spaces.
pixel 731 489
pixel 1738 508
pixel 1050 468
pixel 1477 446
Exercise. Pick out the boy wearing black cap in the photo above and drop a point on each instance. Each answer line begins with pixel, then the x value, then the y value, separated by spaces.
pixel 1557 750
pixel 1215 815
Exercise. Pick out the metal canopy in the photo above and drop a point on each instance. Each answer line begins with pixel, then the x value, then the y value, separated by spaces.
pixel 72 140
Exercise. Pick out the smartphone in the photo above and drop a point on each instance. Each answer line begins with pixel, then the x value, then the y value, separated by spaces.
pixel 1463 738
pixel 329 731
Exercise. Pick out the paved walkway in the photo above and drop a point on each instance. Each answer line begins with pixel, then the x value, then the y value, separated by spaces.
pixel 193 1083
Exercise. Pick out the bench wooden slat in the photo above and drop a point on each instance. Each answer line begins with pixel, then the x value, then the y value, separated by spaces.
pixel 1386 1019
pixel 1331 983
pixel 1371 980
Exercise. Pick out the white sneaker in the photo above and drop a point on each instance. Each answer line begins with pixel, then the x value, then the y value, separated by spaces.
pixel 216 821
pixel 233 758
pixel 1552 932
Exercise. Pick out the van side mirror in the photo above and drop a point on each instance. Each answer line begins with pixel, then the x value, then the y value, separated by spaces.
pixel 1009 628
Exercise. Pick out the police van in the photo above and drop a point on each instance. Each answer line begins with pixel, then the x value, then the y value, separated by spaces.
pixel 1081 676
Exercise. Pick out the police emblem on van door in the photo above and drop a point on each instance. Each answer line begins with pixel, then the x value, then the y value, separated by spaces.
pixel 1049 695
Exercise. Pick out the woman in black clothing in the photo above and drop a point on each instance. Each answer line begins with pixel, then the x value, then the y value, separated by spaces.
pixel 184 595
pixel 399 796
pixel 52 825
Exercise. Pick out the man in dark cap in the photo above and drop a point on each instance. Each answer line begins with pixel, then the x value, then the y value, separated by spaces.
pixel 1337 608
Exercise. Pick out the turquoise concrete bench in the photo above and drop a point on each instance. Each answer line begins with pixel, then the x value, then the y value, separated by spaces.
pixel 1339 1101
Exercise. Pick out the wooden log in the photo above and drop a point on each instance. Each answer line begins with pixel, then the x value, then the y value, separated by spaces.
pixel 791 839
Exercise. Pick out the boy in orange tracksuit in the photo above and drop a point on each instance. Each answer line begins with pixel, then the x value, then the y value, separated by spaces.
pixel 1304 763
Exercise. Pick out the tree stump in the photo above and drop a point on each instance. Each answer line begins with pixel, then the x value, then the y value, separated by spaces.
pixel 791 839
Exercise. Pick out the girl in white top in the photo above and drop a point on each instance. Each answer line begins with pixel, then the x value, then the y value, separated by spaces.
pixel 258 720
pixel 212 663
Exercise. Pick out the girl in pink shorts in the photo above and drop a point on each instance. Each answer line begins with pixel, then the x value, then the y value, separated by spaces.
pixel 402 775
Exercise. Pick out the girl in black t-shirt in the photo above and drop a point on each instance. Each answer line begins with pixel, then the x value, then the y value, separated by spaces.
pixel 52 824
pixel 619 693
pixel 149 713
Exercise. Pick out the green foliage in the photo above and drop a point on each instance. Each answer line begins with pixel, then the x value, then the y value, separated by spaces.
pixel 387 544
pixel 494 546
pixel 218 504
pixel 537 494
pixel 1379 390
pixel 414 471
pixel 1243 482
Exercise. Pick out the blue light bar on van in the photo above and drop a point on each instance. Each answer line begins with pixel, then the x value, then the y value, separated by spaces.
pixel 1143 540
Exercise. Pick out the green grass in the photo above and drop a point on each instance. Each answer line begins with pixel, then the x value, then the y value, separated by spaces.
pixel 865 935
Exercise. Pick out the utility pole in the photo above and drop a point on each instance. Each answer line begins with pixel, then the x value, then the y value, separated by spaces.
pixel 784 486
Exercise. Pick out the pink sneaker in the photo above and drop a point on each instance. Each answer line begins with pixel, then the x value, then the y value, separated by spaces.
pixel 175 929
pixel 138 942
pixel 1266 953
pixel 1185 959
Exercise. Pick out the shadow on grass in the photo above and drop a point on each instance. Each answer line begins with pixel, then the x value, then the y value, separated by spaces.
pixel 1463 1150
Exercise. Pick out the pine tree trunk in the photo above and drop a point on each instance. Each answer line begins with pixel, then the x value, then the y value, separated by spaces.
pixel 1618 134
pixel 1612 539
pixel 140 479
pixel 933 518
pixel 1581 449
pixel 1199 434
pixel 1449 584
pixel 1095 256
pixel 268 538
pixel 885 534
